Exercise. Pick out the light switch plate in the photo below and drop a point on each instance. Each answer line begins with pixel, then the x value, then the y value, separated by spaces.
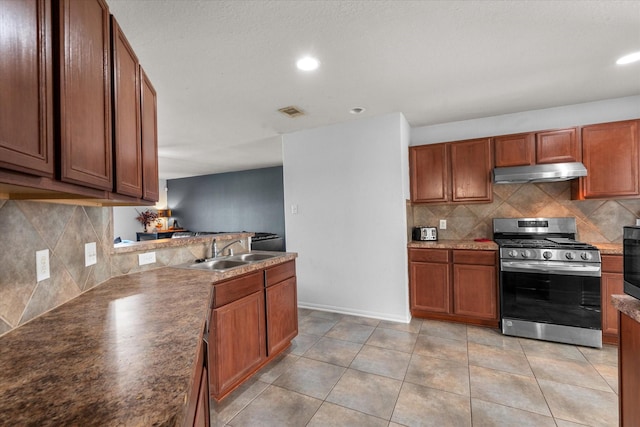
pixel 146 258
pixel 443 224
pixel 294 209
pixel 42 265
pixel 90 256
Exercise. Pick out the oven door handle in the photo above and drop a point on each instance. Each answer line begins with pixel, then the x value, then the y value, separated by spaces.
pixel 590 270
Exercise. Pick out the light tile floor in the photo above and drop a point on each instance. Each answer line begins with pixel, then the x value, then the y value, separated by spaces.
pixel 353 371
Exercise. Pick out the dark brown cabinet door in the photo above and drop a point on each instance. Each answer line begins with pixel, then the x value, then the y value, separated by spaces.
pixel 85 93
pixel 282 315
pixel 471 164
pixel 126 117
pixel 610 151
pixel 612 282
pixel 429 286
pixel 26 90
pixel 557 146
pixel 150 183
pixel 237 342
pixel 475 291
pixel 514 150
pixel 429 168
pixel 629 371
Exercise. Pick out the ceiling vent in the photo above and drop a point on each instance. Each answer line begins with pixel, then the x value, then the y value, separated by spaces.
pixel 291 111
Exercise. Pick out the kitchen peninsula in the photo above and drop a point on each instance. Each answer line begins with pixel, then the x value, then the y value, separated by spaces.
pixel 628 368
pixel 128 352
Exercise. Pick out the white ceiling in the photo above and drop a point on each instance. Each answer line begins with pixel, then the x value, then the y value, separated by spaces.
pixel 223 68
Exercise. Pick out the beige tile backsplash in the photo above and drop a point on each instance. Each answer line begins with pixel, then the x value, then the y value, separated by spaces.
pixel 27 227
pixel 597 220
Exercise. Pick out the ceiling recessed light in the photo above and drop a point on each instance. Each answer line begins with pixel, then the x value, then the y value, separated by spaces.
pixel 308 63
pixel 357 110
pixel 628 59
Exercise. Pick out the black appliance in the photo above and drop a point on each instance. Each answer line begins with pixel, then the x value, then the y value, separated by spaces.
pixel 267 242
pixel 631 259
pixel 549 282
pixel 259 242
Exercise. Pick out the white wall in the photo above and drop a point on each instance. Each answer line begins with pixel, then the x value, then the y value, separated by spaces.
pixel 125 225
pixel 349 183
pixel 551 118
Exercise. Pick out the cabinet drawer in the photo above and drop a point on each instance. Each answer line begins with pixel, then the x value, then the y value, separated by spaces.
pixel 612 263
pixel 279 272
pixel 234 289
pixel 474 257
pixel 429 255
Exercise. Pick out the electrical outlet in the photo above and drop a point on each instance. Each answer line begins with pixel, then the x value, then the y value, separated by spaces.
pixel 294 209
pixel 443 224
pixel 42 265
pixel 637 221
pixel 146 258
pixel 90 256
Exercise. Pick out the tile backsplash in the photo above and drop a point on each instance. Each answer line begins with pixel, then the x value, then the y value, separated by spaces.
pixel 27 227
pixel 597 220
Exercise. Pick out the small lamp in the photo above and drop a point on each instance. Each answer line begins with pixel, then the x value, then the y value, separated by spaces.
pixel 164 214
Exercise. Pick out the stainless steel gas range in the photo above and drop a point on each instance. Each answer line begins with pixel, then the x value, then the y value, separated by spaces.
pixel 549 282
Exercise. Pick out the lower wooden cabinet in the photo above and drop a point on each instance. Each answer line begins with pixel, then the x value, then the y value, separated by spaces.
pixel 629 371
pixel 238 347
pixel 611 283
pixel 198 414
pixel 475 291
pixel 253 318
pixel 431 290
pixel 457 285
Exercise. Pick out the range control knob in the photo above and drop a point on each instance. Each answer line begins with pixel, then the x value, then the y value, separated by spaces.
pixel 547 254
pixel 586 256
pixel 570 255
pixel 512 253
pixel 525 254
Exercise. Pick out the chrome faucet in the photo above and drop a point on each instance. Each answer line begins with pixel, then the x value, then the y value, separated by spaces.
pixel 214 249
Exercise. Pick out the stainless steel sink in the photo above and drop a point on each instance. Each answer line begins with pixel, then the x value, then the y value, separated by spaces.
pixel 229 262
pixel 218 264
pixel 253 257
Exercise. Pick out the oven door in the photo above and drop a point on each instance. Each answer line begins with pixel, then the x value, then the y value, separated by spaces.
pixel 551 293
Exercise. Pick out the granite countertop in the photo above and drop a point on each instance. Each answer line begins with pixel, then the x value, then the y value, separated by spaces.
pixel 609 248
pixel 146 245
pixel 122 353
pixel 628 305
pixel 455 244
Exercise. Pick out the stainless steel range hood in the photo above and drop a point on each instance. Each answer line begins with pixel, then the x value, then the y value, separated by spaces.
pixel 539 173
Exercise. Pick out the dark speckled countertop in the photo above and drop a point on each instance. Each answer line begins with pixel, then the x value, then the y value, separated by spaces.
pixel 120 354
pixel 455 244
pixel 627 305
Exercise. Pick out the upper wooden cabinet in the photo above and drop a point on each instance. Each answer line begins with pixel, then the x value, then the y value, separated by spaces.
pixel 514 150
pixel 471 171
pixel 85 93
pixel 149 110
pixel 457 172
pixel 430 173
pixel 553 146
pixel 557 146
pixel 611 154
pixel 126 117
pixel 72 121
pixel 26 87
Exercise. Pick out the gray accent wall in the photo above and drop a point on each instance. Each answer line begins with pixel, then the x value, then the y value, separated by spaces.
pixel 251 200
